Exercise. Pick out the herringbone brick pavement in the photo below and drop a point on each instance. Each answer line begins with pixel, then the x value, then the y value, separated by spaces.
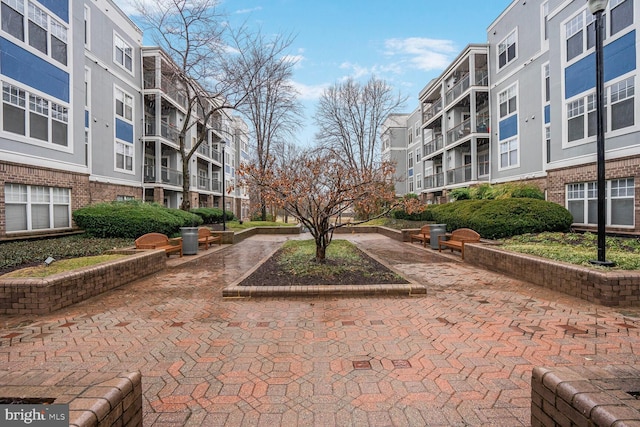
pixel 461 355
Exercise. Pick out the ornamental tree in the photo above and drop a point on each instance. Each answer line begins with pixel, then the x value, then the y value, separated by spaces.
pixel 317 186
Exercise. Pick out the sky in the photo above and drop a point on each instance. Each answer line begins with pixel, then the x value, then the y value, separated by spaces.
pixel 404 42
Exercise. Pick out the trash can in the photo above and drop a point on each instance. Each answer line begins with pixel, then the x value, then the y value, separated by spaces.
pixel 436 230
pixel 189 240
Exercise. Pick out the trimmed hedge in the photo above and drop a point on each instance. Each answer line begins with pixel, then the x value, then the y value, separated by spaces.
pixel 495 219
pixel 132 219
pixel 212 215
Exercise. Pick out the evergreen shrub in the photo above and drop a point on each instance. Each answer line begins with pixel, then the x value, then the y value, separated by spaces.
pixel 500 218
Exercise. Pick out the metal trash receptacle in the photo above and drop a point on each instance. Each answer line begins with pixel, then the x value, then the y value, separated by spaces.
pixel 189 240
pixel 436 230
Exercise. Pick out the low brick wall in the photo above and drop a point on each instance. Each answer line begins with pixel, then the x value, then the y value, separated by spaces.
pixel 399 235
pixel 616 288
pixel 239 236
pixel 94 399
pixel 44 295
pixel 579 396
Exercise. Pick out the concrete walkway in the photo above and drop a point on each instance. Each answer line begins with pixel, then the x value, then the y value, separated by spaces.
pixel 461 355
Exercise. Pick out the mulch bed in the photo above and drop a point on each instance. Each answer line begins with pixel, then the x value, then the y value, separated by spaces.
pixel 367 272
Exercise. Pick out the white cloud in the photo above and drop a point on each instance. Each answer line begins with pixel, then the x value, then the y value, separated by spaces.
pixel 422 53
pixel 310 92
pixel 245 11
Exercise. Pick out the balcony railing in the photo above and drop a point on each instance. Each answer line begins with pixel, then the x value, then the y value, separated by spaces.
pixel 459 132
pixel 168 88
pixel 458 89
pixel 167 131
pixel 434 181
pixel 170 176
pixel 204 149
pixel 149 173
pixel 204 183
pixel 215 155
pixel 434 145
pixel 433 110
pixel 216 185
pixel 482 122
pixel 482 78
pixel 459 175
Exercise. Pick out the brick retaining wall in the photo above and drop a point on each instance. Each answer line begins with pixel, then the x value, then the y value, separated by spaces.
pixel 585 396
pixel 94 399
pixel 610 288
pixel 44 295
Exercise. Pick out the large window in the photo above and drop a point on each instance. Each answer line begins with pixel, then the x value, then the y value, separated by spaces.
pixel 507 50
pixel 124 105
pixel 621 15
pixel 124 156
pixel 619 111
pixel 508 101
pixel 36 207
pixel 123 53
pixel 43 31
pixel 509 153
pixel 46 120
pixel 582 202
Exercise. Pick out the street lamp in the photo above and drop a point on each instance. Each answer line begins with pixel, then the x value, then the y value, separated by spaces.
pixel 224 213
pixel 597 7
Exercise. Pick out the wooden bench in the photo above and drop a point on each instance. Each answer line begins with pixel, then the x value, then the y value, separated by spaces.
pixel 424 236
pixel 159 241
pixel 457 239
pixel 206 238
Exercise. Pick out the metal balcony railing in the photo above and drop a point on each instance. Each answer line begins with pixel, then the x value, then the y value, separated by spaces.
pixel 216 185
pixel 434 181
pixel 459 88
pixel 149 173
pixel 433 110
pixel 459 175
pixel 459 132
pixel 434 145
pixel 482 78
pixel 215 155
pixel 204 149
pixel 204 183
pixel 482 122
pixel 170 176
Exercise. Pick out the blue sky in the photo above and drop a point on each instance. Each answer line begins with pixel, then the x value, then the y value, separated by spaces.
pixel 404 42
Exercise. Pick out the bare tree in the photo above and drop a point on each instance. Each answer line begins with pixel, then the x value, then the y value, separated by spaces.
pixel 349 116
pixel 271 105
pixel 216 67
pixel 320 188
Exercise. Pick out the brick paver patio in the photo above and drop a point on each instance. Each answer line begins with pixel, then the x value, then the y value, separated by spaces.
pixel 461 355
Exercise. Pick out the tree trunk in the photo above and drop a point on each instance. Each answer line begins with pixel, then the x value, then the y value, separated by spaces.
pixel 186 199
pixel 321 252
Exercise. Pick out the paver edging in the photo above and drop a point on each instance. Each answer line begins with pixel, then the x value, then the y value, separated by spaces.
pixel 616 288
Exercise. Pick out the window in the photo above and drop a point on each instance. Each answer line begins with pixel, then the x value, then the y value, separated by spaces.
pixel 38 26
pixel 59 120
pixel 419 181
pixel 575 116
pixel 123 53
pixel 410 160
pixel 509 153
pixel 13 18
pixel 547 83
pixel 37 207
pixel 583 204
pixel 122 198
pixel 621 15
pixel 124 105
pixel 58 42
pixel 547 140
pixel 622 104
pixel 619 112
pixel 124 156
pixel 574 30
pixel 13 109
pixel 418 154
pixel 87 21
pixel 507 50
pixel 483 163
pixel 38 118
pixel 507 100
pixel 545 20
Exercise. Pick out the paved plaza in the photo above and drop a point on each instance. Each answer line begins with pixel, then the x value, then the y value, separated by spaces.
pixel 460 356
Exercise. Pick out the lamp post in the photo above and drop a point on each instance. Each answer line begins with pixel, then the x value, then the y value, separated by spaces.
pixel 597 7
pixel 224 213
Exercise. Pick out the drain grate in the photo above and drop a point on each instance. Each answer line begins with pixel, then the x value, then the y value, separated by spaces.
pixel 26 400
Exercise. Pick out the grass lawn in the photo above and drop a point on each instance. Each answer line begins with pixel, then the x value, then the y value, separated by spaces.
pixel 62 266
pixel 236 226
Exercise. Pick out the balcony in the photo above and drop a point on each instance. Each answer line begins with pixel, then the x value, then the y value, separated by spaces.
pixel 460 131
pixel 434 145
pixel 167 131
pixel 149 173
pixel 204 183
pixel 482 122
pixel 216 185
pixel 432 111
pixel 458 89
pixel 434 181
pixel 204 149
pixel 170 176
pixel 459 175
pixel 170 89
pixel 482 78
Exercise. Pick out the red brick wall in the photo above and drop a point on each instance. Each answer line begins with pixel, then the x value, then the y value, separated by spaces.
pixel 101 192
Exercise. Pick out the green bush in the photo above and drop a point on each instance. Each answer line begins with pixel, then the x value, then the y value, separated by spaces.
pixel 495 219
pixel 212 215
pixel 257 216
pixel 460 194
pixel 425 215
pixel 132 219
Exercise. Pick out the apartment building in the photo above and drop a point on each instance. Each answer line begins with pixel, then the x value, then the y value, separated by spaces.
pixel 394 141
pixel 86 117
pixel 522 108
